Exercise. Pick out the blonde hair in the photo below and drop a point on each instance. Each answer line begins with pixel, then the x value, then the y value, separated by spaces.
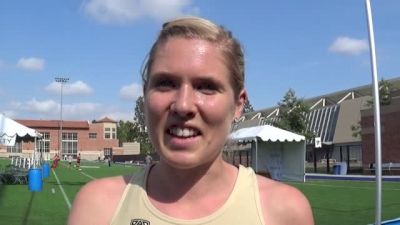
pixel 199 28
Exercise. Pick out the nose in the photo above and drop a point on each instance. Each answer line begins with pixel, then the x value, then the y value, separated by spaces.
pixel 183 104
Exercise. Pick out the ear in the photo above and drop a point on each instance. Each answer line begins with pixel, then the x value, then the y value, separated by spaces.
pixel 240 102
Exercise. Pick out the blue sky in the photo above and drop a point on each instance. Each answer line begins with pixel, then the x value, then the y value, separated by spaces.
pixel 314 47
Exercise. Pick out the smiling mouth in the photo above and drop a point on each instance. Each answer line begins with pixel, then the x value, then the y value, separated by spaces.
pixel 183 132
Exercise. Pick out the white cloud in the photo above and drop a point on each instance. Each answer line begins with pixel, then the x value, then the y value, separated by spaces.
pixel 349 46
pixel 76 88
pixel 35 106
pixel 79 87
pixel 31 64
pixel 162 9
pixel 51 108
pixel 131 92
pixel 126 11
pixel 9 113
pixel 81 110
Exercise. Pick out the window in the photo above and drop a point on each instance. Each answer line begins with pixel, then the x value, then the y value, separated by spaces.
pixel 107 133
pixel 107 152
pixel 114 133
pixel 43 145
pixel 92 135
pixel 69 143
pixel 17 148
pixel 110 133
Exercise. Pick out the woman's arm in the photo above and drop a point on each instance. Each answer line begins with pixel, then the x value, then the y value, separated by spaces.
pixel 97 201
pixel 283 204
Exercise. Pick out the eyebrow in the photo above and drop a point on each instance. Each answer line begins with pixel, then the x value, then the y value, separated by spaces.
pixel 203 77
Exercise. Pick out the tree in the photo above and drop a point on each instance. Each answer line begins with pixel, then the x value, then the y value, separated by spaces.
pixel 385 98
pixel 292 114
pixel 126 132
pixel 247 107
pixel 139 114
pixel 356 130
pixel 385 93
pixel 140 127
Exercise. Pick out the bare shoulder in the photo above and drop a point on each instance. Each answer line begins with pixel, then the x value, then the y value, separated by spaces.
pixel 283 204
pixel 97 200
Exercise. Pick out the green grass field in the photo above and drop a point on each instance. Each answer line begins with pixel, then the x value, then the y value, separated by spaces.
pixel 333 202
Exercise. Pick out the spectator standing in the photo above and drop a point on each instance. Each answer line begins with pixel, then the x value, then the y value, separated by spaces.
pixel 109 161
pixel 69 161
pixel 148 159
pixel 78 161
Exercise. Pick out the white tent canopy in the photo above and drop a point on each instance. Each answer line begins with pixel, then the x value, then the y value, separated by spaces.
pixel 279 152
pixel 266 133
pixel 10 129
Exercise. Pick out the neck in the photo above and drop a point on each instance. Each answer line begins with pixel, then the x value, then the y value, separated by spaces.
pixel 213 182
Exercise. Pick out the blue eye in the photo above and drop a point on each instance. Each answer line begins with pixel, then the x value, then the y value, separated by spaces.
pixel 207 88
pixel 164 84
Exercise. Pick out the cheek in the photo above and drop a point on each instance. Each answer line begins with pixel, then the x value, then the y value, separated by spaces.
pixel 219 111
pixel 152 108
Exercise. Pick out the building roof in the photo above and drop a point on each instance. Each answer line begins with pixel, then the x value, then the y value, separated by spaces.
pixel 105 120
pixel 266 133
pixel 66 124
pixel 334 98
pixel 331 116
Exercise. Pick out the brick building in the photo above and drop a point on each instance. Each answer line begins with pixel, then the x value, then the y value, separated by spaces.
pixel 91 139
pixel 390 135
pixel 335 119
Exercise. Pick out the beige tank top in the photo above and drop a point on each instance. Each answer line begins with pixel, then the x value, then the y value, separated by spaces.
pixel 242 207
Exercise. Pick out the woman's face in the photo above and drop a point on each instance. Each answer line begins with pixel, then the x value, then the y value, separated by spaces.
pixel 189 102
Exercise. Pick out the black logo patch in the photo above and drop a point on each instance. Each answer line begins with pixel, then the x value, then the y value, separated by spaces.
pixel 139 222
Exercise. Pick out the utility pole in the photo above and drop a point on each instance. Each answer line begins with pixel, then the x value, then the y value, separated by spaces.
pixel 62 81
pixel 377 113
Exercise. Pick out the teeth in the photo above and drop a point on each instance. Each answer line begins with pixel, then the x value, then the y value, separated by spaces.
pixel 183 132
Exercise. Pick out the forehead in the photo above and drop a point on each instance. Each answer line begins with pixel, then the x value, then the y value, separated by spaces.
pixel 181 54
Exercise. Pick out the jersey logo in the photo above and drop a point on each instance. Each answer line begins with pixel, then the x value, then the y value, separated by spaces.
pixel 139 222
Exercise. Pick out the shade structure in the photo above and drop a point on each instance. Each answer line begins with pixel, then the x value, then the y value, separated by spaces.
pixel 278 152
pixel 266 133
pixel 10 130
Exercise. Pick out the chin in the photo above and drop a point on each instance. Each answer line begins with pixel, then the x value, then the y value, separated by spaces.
pixel 180 162
pixel 185 161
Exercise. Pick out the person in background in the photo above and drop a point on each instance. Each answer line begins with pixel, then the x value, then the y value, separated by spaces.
pixel 193 89
pixel 69 161
pixel 109 161
pixel 56 160
pixel 78 161
pixel 148 159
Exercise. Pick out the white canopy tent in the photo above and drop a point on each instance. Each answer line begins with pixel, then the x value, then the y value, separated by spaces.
pixel 10 130
pixel 279 152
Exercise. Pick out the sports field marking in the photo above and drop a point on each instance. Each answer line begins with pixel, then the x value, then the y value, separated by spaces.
pixel 353 187
pixel 62 190
pixel 94 167
pixel 93 178
pixel 88 175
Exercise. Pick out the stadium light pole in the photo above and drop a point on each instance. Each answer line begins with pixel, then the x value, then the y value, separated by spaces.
pixel 377 121
pixel 62 81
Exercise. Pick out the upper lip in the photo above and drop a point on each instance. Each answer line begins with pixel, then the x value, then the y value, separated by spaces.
pixel 183 126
